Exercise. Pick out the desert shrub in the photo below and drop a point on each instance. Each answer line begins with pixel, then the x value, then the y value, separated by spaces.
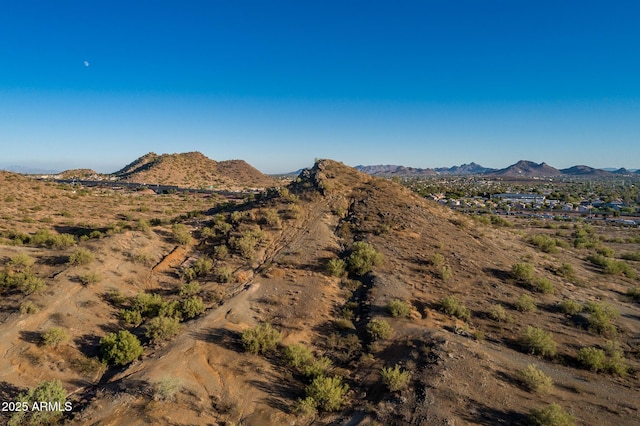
pixel 616 362
pixel 379 329
pixel 203 266
pixel 20 262
pixel 162 328
pixel 337 267
pixel 192 307
pixel 29 307
pixel 534 379
pixel 166 388
pixel 605 251
pixel 498 313
pixel 81 256
pixel 399 308
pixel 224 274
pixel 634 293
pixel 306 407
pixel 329 393
pixel 544 242
pixel 611 266
pixel 270 218
pixel 635 256
pixel 260 339
pixel 221 251
pixel 445 272
pixel 131 317
pixel 566 270
pixel 32 284
pixel 181 234
pixel 190 289
pixel 522 271
pixel 601 317
pixel 89 279
pixel 570 307
pixel 140 258
pixel 54 336
pixel 592 358
pixel 120 348
pixel 47 391
pixel 317 367
pixel 551 415
pixel 538 342
pixel 394 378
pixel 543 285
pixel 452 306
pixel 344 323
pixel 344 347
pixel 148 304
pixel 171 309
pixel 525 303
pixel 245 245
pixel 61 241
pixel 363 258
pixel 436 259
pixel 297 356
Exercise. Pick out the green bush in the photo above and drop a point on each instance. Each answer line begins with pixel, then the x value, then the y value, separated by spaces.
pixel 260 339
pixel 399 308
pixel 544 243
pixel 452 306
pixel 29 307
pixel 131 317
pixel 203 266
pixel 363 258
pixel 543 285
pixel 538 342
pixel 498 313
pixel 634 293
pixel 534 379
pixel 81 257
pixel 297 356
pixel 379 329
pixel 394 378
pixel 181 234
pixel 566 271
pixel 89 279
pixel 436 259
pixel 49 392
pixel 616 362
pixel 611 266
pixel 329 393
pixel 20 262
pixel 148 304
pixel 635 256
pixel 570 307
pixel 592 358
pixel 601 317
pixel 192 307
pixel 162 328
pixel 32 284
pixel 522 271
pixel 166 388
pixel 337 267
pixel 445 272
pixel 224 274
pixel 190 289
pixel 120 348
pixel 317 367
pixel 525 303
pixel 551 415
pixel 54 336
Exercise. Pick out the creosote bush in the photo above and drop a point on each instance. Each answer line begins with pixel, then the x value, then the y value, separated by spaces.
pixel 120 348
pixel 551 415
pixel 81 256
pixel 498 313
pixel 54 336
pixel 48 391
pixel 452 306
pixel 525 303
pixel 399 308
pixel 538 342
pixel 363 258
pixel 522 271
pixel 602 317
pixel 337 267
pixel 328 393
pixel 162 328
pixel 260 339
pixel 534 379
pixel 379 329
pixel 570 307
pixel 395 379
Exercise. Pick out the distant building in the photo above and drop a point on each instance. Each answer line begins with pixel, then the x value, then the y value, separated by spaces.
pixel 520 198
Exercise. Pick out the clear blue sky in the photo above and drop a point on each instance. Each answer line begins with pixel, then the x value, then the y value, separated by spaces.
pixel 278 83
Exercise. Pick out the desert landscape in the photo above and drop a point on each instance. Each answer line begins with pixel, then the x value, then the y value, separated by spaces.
pixel 333 297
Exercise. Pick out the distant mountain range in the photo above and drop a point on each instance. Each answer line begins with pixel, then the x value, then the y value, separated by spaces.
pixel 521 168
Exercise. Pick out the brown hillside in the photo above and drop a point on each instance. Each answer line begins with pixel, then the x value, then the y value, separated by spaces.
pixel 266 261
pixel 194 170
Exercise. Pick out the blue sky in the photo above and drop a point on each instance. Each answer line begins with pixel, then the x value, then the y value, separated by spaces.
pixel 423 83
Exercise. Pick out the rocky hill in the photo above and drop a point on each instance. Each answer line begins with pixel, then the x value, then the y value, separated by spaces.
pixel 340 299
pixel 193 170
pixel 528 169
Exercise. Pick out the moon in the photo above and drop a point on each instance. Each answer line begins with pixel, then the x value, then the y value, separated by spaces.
pixel 86 63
